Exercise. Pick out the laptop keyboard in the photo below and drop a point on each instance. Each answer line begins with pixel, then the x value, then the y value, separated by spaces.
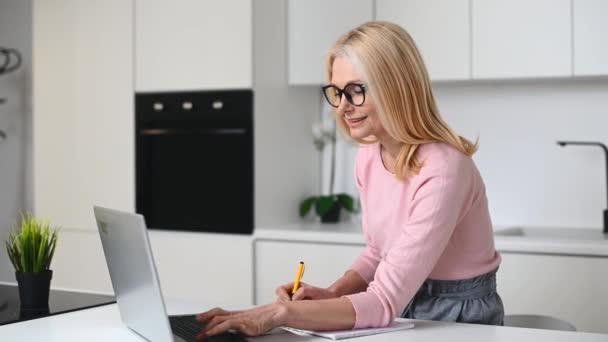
pixel 187 327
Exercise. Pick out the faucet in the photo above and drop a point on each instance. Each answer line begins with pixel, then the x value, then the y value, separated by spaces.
pixel 594 143
pixel 2 134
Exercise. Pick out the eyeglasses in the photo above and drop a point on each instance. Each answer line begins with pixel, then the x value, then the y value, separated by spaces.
pixel 354 93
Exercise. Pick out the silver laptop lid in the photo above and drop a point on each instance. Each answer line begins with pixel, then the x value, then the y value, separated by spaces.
pixel 134 278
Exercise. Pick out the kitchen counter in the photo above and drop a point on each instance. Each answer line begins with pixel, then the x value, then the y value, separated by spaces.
pixel 341 233
pixel 104 324
pixel 554 241
pixel 550 240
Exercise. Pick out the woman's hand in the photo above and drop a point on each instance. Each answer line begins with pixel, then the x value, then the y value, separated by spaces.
pixel 252 322
pixel 304 292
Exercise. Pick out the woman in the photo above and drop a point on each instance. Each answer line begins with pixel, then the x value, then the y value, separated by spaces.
pixel 429 244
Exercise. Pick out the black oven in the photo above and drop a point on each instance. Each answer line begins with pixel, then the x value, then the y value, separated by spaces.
pixel 194 160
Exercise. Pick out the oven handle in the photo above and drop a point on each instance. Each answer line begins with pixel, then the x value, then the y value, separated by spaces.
pixel 174 131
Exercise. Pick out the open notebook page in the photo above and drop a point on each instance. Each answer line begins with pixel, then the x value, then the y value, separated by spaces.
pixel 398 324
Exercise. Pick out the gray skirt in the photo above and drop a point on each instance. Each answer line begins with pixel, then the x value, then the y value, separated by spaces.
pixel 472 300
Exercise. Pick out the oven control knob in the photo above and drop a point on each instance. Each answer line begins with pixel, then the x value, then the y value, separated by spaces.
pixel 187 105
pixel 158 106
pixel 217 105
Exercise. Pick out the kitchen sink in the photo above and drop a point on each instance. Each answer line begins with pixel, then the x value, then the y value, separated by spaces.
pixel 553 233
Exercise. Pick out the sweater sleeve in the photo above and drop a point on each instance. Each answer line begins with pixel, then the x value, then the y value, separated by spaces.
pixel 367 262
pixel 435 206
pixel 365 265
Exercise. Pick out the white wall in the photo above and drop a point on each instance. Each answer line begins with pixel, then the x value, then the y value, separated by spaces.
pixel 15 118
pixel 530 180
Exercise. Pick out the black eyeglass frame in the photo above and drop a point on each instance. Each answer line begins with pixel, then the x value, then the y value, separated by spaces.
pixel 343 92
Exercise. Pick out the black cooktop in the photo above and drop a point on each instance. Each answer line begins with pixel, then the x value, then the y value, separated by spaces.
pixel 59 302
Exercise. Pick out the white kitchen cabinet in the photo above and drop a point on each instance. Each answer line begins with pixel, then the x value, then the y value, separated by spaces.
pixel 590 34
pixel 193 45
pixel 276 263
pixel 441 30
pixel 521 38
pixel 198 267
pixel 83 132
pixel 567 287
pixel 216 269
pixel 313 27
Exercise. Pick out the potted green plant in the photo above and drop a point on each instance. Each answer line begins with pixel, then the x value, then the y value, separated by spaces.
pixel 30 247
pixel 328 207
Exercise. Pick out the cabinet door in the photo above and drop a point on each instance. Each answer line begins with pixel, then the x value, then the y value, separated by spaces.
pixel 313 27
pixel 566 287
pixel 276 263
pixel 83 134
pixel 441 30
pixel 192 44
pixel 590 27
pixel 215 269
pixel 521 38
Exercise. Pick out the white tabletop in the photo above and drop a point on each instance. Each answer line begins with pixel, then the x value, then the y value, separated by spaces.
pixel 104 324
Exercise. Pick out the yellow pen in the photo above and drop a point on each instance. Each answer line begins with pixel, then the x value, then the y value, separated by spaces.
pixel 296 283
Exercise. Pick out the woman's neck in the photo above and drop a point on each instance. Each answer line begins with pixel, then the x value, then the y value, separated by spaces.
pixel 391 147
pixel 389 151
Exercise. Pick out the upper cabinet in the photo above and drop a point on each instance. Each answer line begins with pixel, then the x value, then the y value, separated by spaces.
pixel 441 30
pixel 313 27
pixel 522 38
pixel 192 44
pixel 462 39
pixel 590 27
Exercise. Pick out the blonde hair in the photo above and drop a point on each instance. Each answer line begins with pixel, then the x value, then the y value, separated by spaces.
pixel 387 57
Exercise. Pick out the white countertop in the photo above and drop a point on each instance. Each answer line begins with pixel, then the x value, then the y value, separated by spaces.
pixel 104 324
pixel 548 240
pixel 559 241
pixel 342 233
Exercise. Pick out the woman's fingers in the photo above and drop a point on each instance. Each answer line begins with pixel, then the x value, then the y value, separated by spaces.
pixel 283 292
pixel 217 320
pixel 225 325
pixel 312 292
pixel 208 315
pixel 244 323
pixel 307 292
pixel 250 322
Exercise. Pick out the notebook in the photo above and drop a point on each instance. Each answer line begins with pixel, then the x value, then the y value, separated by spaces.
pixel 398 324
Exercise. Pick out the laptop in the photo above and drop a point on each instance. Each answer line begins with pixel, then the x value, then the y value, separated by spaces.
pixel 124 237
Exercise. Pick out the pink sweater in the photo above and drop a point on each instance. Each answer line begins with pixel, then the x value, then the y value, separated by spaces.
pixel 434 225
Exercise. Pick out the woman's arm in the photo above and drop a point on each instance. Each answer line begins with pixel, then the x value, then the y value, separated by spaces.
pixel 351 282
pixel 326 314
